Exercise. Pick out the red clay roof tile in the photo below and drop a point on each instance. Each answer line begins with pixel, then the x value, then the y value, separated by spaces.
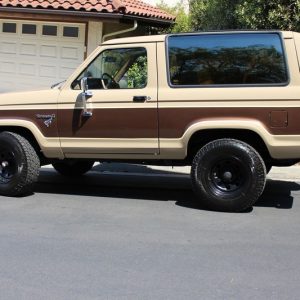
pixel 127 7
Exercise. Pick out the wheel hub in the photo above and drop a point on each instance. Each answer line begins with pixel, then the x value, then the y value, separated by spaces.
pixel 227 176
pixel 4 164
pixel 5 171
pixel 7 165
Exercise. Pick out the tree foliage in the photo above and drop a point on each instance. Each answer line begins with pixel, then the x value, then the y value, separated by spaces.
pixel 260 14
pixel 179 10
pixel 245 14
pixel 213 14
pixel 137 73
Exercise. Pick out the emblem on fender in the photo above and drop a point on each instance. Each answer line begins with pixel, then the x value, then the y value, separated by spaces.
pixel 46 118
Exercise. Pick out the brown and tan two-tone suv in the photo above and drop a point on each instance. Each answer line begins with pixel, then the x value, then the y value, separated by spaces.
pixel 226 103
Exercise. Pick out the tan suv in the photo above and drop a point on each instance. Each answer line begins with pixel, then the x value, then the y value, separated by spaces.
pixel 226 103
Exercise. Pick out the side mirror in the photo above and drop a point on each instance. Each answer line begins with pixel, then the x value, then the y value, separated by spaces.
pixel 83 84
pixel 85 95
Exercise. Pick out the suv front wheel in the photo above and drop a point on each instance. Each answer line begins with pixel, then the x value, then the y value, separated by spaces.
pixel 19 165
pixel 228 175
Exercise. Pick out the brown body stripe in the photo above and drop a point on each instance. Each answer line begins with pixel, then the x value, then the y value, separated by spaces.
pixel 31 116
pixel 109 123
pixel 143 123
pixel 173 122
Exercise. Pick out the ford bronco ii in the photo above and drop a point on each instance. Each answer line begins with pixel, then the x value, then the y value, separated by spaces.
pixel 226 103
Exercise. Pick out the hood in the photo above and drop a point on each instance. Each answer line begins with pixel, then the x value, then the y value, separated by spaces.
pixel 29 98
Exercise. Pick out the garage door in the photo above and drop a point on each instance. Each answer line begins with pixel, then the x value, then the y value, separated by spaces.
pixel 38 54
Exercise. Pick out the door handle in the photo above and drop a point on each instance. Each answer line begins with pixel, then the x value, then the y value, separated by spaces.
pixel 140 98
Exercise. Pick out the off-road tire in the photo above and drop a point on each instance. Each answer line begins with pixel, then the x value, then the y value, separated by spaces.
pixel 228 175
pixel 19 165
pixel 73 167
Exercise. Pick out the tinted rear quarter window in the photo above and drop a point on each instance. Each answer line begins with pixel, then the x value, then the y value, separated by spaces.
pixel 226 59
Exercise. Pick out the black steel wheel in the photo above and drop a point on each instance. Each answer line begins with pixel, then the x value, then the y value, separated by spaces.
pixel 73 167
pixel 19 165
pixel 228 175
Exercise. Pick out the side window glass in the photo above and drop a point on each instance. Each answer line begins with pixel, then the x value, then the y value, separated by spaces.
pixel 226 59
pixel 124 68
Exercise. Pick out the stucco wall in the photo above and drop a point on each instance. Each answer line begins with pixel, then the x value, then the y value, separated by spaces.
pixel 95 33
pixel 96 30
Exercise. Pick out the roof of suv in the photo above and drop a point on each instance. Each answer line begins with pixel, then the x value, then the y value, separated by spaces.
pixel 161 38
pixel 136 39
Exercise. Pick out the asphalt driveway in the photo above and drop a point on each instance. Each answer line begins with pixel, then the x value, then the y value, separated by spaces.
pixel 122 236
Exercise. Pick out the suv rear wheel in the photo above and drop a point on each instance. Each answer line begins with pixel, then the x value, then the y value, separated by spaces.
pixel 19 165
pixel 73 167
pixel 228 175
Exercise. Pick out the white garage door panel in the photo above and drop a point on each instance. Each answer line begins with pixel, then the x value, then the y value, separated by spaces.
pixel 8 67
pixel 29 61
pixel 27 69
pixel 66 70
pixel 47 71
pixel 49 51
pixel 28 49
pixel 8 47
pixel 70 53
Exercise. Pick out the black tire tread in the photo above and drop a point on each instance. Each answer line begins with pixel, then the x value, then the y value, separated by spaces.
pixel 261 174
pixel 31 166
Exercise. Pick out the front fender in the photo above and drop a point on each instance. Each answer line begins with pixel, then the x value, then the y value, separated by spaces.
pixel 50 146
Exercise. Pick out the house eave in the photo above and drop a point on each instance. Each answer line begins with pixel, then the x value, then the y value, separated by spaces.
pixel 149 20
pixel 88 15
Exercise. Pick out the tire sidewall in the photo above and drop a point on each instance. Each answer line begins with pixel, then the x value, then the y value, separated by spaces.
pixel 8 141
pixel 252 170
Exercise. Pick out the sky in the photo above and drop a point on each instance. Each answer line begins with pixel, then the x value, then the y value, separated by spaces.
pixel 153 2
pixel 169 2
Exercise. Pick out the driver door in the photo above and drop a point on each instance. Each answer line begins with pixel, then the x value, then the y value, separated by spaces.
pixel 120 118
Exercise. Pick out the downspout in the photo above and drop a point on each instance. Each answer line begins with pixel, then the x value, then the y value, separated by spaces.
pixel 135 25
